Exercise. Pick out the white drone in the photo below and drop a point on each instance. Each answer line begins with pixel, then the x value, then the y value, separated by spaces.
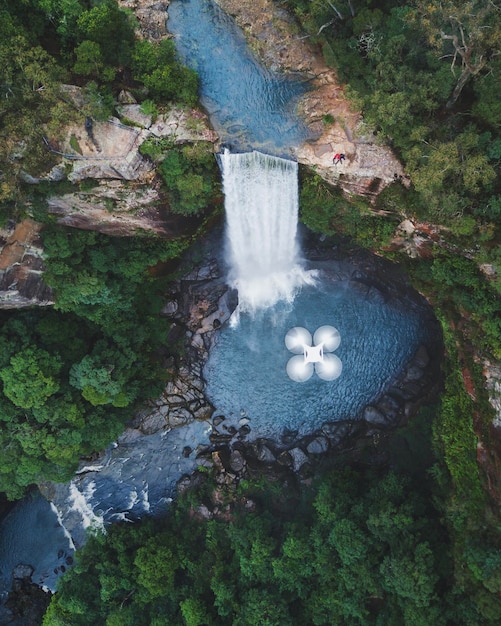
pixel 313 357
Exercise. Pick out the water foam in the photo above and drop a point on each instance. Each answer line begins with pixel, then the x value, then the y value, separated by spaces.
pixel 261 205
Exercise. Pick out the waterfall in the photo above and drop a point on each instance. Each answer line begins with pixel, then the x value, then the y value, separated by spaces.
pixel 261 204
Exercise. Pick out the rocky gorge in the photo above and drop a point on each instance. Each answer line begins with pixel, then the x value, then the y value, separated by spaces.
pixel 200 303
pixel 124 198
pixel 190 435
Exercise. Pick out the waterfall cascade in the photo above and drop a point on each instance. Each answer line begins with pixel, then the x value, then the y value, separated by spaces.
pixel 261 203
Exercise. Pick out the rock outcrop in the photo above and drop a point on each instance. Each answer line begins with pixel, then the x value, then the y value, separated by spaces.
pixel 123 196
pixel 336 127
pixel 21 267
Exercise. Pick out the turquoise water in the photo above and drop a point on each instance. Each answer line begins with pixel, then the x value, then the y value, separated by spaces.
pixel 249 106
pixel 246 371
pixel 31 535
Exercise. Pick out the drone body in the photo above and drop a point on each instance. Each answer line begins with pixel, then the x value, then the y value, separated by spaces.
pixel 313 355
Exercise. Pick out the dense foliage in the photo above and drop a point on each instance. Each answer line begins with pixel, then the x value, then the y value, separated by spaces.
pixel 44 43
pixel 71 377
pixel 427 77
pixel 452 280
pixel 360 548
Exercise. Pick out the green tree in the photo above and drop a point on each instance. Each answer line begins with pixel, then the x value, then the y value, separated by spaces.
pixel 467 34
pixel 158 67
pixel 89 62
pixel 111 28
pixel 31 378
pixel 189 174
pixel 64 15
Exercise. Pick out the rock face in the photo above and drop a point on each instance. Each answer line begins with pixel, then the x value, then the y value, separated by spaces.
pixel 125 198
pixel 21 267
pixel 110 208
pixel 335 126
pixel 27 602
pixel 492 374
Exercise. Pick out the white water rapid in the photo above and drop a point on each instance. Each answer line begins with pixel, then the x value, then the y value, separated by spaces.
pixel 261 204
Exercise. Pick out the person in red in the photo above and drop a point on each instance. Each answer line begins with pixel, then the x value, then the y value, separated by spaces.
pixel 336 158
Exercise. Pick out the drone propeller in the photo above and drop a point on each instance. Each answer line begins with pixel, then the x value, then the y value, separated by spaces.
pixel 298 369
pixel 297 338
pixel 329 368
pixel 329 336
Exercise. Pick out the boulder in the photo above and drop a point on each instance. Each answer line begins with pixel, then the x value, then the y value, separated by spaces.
pixel 373 416
pixel 263 452
pixel 22 266
pixel 237 461
pixel 319 445
pixel 23 571
pixel 299 458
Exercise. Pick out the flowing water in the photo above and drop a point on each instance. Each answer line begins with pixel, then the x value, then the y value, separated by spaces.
pixel 261 206
pixel 49 549
pixel 251 107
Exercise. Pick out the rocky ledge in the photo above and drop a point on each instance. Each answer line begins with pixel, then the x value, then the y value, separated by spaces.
pixel 336 127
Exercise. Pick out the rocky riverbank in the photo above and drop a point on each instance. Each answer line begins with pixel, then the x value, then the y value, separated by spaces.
pixel 178 433
pixel 200 303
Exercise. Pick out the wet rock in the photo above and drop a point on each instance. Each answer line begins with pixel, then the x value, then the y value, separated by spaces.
pixel 217 420
pixel 184 483
pixel 153 423
pixel 25 605
pixel 243 431
pixel 179 417
pixel 421 358
pixel 219 438
pixel 130 435
pixel 413 373
pixel 337 431
pixel 298 457
pixel 407 390
pixel 285 459
pixel 263 452
pixel 237 461
pixel 391 408
pixel 205 272
pixel 319 445
pixel 23 571
pixel 203 413
pixel 374 416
